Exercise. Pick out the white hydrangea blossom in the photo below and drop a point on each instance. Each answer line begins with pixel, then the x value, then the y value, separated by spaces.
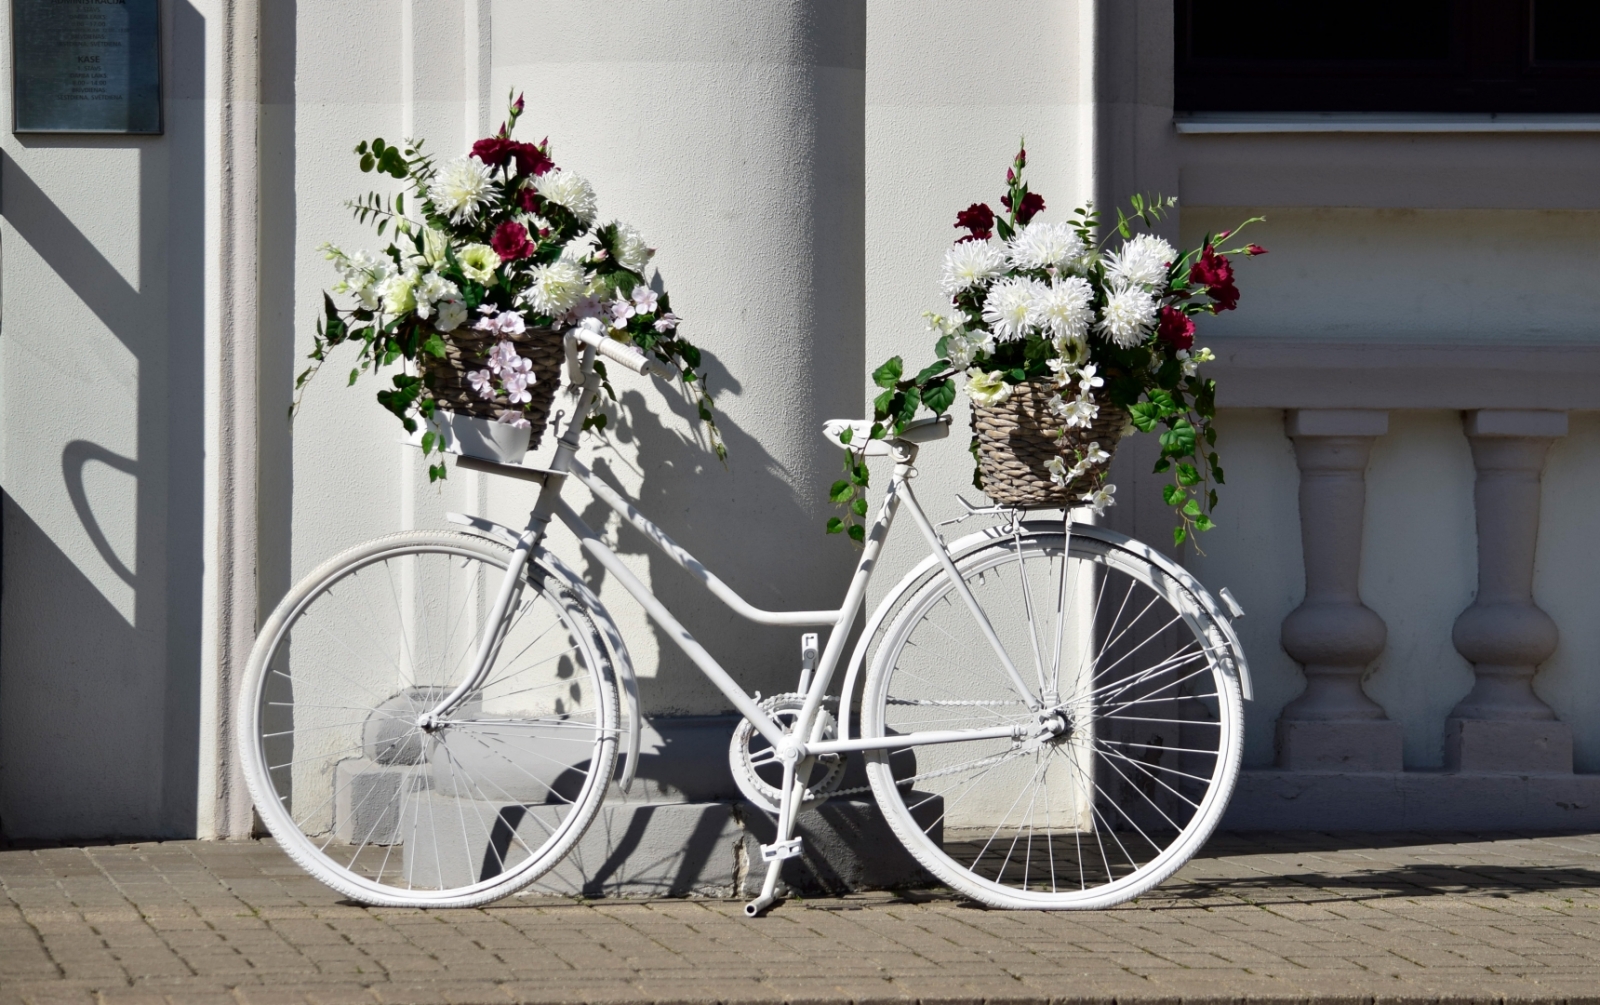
pixel 431 289
pixel 556 287
pixel 1045 246
pixel 1129 314
pixel 969 264
pixel 1013 307
pixel 360 274
pixel 1066 308
pixel 632 253
pixel 1142 261
pixel 463 189
pixel 451 314
pixel 564 188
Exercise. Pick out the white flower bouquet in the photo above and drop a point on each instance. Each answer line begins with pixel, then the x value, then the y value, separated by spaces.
pixel 473 291
pixel 1064 345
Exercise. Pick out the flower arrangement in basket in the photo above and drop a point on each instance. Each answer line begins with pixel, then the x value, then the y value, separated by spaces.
pixel 474 295
pixel 1065 347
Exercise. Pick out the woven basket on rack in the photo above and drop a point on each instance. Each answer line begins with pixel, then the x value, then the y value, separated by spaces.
pixel 1018 437
pixel 467 350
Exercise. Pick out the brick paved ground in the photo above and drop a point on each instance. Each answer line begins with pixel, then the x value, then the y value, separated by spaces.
pixel 1280 917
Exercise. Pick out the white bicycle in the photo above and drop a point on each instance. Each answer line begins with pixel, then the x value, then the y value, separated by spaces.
pixel 1050 716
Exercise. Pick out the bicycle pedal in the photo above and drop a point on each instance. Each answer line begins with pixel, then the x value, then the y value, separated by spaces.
pixel 781 850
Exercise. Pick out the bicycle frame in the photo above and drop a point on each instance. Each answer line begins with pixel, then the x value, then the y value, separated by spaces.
pixel 549 505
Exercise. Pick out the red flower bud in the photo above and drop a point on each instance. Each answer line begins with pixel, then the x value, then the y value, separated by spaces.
pixel 1254 250
pixel 518 105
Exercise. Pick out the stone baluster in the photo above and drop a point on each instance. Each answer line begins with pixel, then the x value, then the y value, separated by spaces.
pixel 1501 725
pixel 1333 725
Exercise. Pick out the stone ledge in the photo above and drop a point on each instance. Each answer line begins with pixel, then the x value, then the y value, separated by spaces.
pixel 1412 801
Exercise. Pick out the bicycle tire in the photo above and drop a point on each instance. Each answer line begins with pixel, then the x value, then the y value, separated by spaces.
pixel 457 812
pixel 1118 776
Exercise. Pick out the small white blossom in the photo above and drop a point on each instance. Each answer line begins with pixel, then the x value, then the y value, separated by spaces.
pixel 556 287
pixel 515 420
pixel 463 189
pixel 632 253
pixel 667 322
pixel 1142 261
pixel 988 388
pixel 1013 307
pixel 1075 413
pixel 431 289
pixel 1101 500
pixel 969 264
pixel 567 189
pixel 482 381
pixel 1045 246
pixel 1191 361
pixel 1058 470
pixel 451 314
pixel 1089 378
pixel 1129 314
pixel 621 310
pixel 961 348
pixel 1066 308
pixel 504 323
pixel 1094 455
pixel 516 385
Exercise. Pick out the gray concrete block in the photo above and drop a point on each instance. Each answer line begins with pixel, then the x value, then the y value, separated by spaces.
pixel 1518 747
pixel 1345 745
pixel 1413 800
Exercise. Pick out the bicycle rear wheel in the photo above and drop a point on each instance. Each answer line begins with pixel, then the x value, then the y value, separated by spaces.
pixel 1131 717
pixel 387 805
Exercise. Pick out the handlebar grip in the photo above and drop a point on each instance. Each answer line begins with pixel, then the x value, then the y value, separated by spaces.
pixel 634 360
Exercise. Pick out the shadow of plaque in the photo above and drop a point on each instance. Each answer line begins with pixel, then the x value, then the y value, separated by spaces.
pixel 86 66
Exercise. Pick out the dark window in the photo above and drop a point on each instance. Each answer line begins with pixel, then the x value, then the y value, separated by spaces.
pixel 1388 56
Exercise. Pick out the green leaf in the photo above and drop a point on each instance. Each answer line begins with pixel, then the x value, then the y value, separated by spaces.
pixel 1179 440
pixel 939 396
pixel 847 434
pixel 859 507
pixel 435 346
pixel 1203 522
pixel 1163 401
pixel 353 375
pixel 888 374
pixel 857 533
pixel 1178 534
pixel 1173 494
pixel 906 403
pixel 1144 416
pixel 930 371
pixel 1191 508
pixel 880 404
pixel 841 492
pixel 427 442
pixel 435 472
pixel 1188 474
pixel 835 525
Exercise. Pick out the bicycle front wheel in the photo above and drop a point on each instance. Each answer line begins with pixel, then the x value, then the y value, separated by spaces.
pixel 1127 722
pixel 375 790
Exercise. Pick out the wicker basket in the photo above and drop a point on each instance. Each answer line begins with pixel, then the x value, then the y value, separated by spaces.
pixel 467 350
pixel 1017 439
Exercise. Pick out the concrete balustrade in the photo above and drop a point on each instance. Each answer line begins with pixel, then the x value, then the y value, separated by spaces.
pixel 1501 725
pixel 1333 725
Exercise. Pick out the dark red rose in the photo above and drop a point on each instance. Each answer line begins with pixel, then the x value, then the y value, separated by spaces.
pixel 1254 250
pixel 494 151
pixel 1212 269
pixel 510 241
pixel 1032 205
pixel 1176 328
pixel 528 198
pixel 531 159
pixel 1226 297
pixel 979 219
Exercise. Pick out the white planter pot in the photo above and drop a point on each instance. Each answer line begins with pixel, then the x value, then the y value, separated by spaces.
pixel 484 439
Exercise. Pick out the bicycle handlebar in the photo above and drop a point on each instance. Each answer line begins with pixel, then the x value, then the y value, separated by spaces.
pixel 617 352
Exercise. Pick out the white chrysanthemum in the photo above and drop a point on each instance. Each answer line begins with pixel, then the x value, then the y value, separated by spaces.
pixel 462 190
pixel 556 287
pixel 1142 261
pixel 1013 307
pixel 1045 245
pixel 567 189
pixel 632 252
pixel 1129 314
pixel 969 264
pixel 1066 308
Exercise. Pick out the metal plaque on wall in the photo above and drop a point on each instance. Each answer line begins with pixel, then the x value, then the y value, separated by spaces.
pixel 85 66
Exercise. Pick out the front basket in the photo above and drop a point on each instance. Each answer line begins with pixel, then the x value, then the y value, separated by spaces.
pixel 1018 437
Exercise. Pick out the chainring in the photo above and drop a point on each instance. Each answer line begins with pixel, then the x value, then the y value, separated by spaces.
pixel 759 773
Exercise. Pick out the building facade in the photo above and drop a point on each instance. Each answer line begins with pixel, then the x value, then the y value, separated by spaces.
pixel 1409 415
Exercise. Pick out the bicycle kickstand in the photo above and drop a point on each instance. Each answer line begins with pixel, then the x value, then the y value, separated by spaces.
pixel 784 846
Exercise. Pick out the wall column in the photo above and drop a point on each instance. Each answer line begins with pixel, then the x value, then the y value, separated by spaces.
pixel 1333 725
pixel 1501 725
